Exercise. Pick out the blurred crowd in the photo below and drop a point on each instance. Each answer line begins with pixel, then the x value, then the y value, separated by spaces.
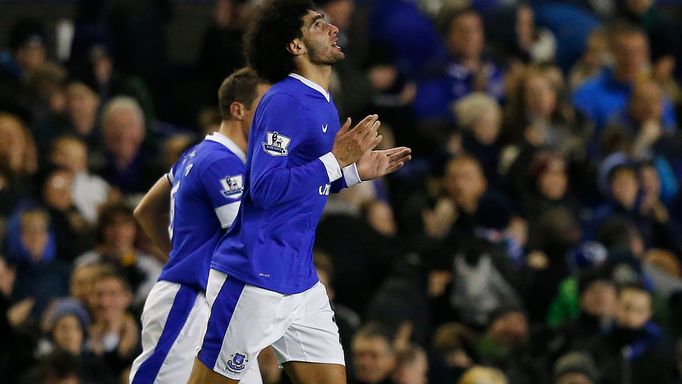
pixel 535 237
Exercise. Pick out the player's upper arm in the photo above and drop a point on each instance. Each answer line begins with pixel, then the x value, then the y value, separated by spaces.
pixel 223 181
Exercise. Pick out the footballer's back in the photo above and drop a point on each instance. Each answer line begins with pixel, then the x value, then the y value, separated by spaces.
pixel 207 186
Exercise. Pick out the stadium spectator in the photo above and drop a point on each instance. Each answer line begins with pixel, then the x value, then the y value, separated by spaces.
pixel 506 345
pixel 27 51
pixel 88 191
pixel 412 366
pixel 594 59
pixel 480 375
pixel 466 71
pixel 547 186
pixel 18 162
pixel 575 368
pixel 552 235
pixel 79 117
pixel 604 96
pixel 116 234
pixel 41 275
pixel 374 357
pixel 114 333
pixel 595 299
pixel 455 348
pixel 68 324
pixel 72 231
pixel 96 104
pixel 126 166
pixel 635 347
pixel 82 281
pixel 479 118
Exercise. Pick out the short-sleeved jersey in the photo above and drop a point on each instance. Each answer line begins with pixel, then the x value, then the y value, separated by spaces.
pixel 208 183
pixel 290 171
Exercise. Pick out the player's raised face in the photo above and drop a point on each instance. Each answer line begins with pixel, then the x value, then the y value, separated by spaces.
pixel 321 40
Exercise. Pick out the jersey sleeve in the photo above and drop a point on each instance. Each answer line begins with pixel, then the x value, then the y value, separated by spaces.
pixel 223 182
pixel 281 131
pixel 350 178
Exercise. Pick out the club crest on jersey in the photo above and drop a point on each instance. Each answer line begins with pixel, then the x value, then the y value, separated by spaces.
pixel 276 144
pixel 233 186
pixel 237 362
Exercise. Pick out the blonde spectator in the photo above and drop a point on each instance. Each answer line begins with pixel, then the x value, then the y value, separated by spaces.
pixel 480 118
pixel 88 191
pixel 83 280
pixel 483 375
pixel 18 154
pixel 481 115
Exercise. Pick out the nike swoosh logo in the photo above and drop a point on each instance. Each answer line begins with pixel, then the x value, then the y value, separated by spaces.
pixel 324 128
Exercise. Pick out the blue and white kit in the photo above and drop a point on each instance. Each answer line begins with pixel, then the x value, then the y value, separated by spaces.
pixel 207 186
pixel 263 287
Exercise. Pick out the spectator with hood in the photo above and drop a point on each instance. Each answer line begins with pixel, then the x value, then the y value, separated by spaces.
pixel 68 324
pixel 41 275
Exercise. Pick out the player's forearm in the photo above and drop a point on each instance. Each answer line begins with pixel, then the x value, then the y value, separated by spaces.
pixel 280 185
pixel 156 228
pixel 152 214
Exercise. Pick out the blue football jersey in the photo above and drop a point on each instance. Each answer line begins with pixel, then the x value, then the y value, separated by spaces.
pixel 290 171
pixel 208 183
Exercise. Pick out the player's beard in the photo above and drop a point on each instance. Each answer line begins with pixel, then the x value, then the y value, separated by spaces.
pixel 322 54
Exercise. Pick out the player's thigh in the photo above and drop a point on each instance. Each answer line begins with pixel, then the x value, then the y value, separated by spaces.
pixel 243 320
pixel 172 327
pixel 312 336
pixel 315 373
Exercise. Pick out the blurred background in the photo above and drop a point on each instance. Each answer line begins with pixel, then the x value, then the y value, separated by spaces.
pixel 535 237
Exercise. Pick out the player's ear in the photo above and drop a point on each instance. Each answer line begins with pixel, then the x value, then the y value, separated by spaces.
pixel 237 110
pixel 296 47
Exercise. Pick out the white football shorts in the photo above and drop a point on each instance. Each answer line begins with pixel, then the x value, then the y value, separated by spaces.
pixel 245 319
pixel 173 324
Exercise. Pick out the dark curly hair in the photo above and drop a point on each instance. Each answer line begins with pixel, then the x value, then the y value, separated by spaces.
pixel 278 23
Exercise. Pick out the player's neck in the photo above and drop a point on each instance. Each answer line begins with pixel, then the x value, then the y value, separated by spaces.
pixel 233 131
pixel 319 74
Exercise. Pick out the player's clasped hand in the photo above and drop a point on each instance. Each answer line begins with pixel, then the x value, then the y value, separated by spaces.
pixel 351 145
